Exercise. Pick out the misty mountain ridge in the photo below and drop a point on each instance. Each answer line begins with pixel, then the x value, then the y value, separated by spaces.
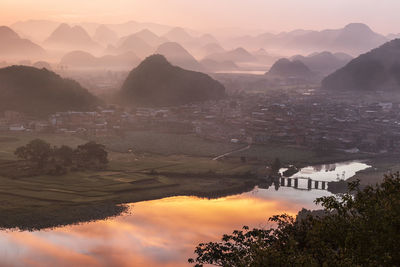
pixel 376 70
pixel 67 37
pixel 7 33
pixel 178 35
pixel 12 46
pixel 84 60
pixel 35 30
pixel 132 43
pixel 212 48
pixel 195 43
pixel 179 56
pixel 105 35
pixel 324 62
pixel 354 38
pixel 357 37
pixel 131 27
pixel 287 69
pixel 236 55
pixel 207 39
pixel 155 82
pixel 149 37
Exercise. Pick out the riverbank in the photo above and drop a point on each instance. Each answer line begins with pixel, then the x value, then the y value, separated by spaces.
pixel 133 175
pixel 32 203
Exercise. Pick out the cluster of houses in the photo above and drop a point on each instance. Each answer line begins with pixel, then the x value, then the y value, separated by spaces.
pixel 317 121
pixel 298 118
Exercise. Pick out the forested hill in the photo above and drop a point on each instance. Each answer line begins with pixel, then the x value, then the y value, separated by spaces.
pixel 40 92
pixel 155 82
pixel 378 69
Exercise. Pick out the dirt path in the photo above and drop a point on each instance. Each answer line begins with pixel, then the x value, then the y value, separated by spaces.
pixel 229 153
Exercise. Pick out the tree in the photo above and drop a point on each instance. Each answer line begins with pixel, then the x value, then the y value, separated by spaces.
pixel 37 152
pixel 276 166
pixel 359 229
pixel 64 155
pixel 59 160
pixel 62 160
pixel 91 156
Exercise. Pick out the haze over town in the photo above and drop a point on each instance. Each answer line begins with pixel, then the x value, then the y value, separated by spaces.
pixel 261 15
pixel 143 133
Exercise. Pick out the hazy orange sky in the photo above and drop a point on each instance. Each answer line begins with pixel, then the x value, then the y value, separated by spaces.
pixel 272 15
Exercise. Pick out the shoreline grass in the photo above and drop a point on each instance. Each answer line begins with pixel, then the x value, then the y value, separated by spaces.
pixel 33 203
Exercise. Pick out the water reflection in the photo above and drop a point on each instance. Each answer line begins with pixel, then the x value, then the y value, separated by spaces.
pixel 332 172
pixel 314 177
pixel 157 233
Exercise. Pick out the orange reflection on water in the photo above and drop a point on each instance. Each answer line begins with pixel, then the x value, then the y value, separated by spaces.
pixel 157 233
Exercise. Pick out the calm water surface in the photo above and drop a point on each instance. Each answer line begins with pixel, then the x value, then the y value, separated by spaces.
pixel 162 232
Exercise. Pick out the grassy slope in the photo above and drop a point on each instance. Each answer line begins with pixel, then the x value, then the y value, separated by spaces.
pixel 45 201
pixel 177 144
pixel 10 141
pixel 168 144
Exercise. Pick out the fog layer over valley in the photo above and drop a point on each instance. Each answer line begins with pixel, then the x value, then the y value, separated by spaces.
pixel 127 143
pixel 249 53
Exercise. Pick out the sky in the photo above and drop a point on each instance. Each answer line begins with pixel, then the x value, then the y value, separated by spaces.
pixel 269 15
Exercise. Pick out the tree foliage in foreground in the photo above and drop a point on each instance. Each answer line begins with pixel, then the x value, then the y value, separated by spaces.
pixel 360 229
pixel 45 159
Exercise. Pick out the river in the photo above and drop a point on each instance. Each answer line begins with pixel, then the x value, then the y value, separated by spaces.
pixel 163 232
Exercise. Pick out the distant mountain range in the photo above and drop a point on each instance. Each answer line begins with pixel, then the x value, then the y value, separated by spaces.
pixel 179 56
pixel 237 55
pixel 84 60
pixel 133 43
pixel 149 37
pixel 43 28
pixel 354 38
pixel 324 63
pixel 131 27
pixel 12 46
pixel 211 48
pixel 178 35
pixel 71 38
pixel 193 50
pixel 181 35
pixel 35 30
pixel 287 69
pixel 105 36
pixel 376 70
pixel 155 82
pixel 264 57
pixel 40 92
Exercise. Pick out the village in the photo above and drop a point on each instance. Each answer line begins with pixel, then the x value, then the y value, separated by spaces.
pixel 304 118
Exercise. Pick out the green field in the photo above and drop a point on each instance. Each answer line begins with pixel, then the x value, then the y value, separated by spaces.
pixel 191 145
pixel 167 144
pixel 157 165
pixel 46 201
pixel 9 142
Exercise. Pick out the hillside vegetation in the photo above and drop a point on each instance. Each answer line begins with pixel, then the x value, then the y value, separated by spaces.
pixel 155 82
pixel 378 69
pixel 40 92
